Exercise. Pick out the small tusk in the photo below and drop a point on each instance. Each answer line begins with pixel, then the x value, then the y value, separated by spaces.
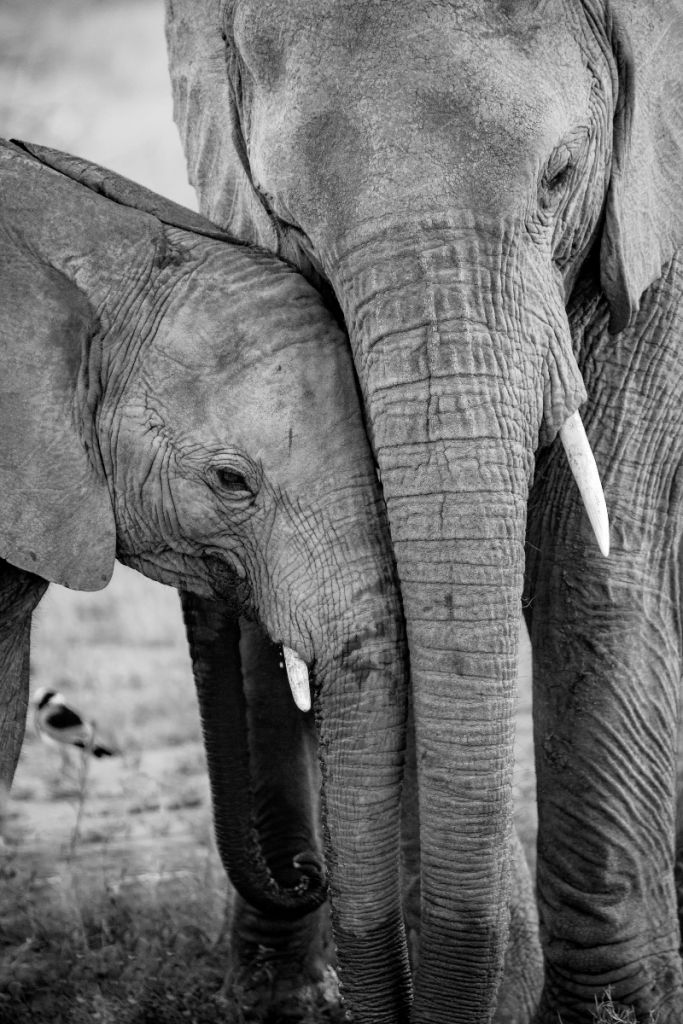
pixel 297 675
pixel 582 465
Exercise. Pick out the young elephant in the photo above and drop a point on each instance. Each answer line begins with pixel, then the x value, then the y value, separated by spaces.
pixel 188 405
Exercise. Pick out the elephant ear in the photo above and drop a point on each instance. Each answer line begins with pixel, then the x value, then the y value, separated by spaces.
pixel 56 517
pixel 211 104
pixel 124 191
pixel 208 107
pixel 644 210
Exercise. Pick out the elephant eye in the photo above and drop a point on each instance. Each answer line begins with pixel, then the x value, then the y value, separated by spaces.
pixel 232 481
pixel 558 178
pixel 558 169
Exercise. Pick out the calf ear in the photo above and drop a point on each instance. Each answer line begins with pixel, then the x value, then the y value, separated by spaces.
pixel 56 517
pixel 124 191
pixel 644 211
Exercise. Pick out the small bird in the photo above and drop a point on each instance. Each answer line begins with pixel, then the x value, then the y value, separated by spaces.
pixel 58 723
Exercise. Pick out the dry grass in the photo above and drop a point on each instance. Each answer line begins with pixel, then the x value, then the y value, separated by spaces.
pixel 123 955
pixel 606 1012
pixel 112 898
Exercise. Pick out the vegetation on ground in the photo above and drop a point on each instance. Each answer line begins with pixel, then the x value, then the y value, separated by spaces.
pixel 606 1012
pixel 121 957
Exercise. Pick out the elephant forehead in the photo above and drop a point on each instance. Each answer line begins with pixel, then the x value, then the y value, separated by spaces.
pixel 371 93
pixel 236 310
pixel 267 28
pixel 300 401
pixel 287 408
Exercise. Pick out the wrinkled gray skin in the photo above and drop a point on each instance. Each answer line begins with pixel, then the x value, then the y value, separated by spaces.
pixel 189 405
pixel 492 191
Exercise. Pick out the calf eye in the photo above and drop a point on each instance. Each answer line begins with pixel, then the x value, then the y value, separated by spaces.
pixel 232 481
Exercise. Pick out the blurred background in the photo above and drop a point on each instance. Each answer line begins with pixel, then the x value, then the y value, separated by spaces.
pixel 90 77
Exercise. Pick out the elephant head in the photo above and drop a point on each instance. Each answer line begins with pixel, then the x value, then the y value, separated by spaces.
pixel 448 170
pixel 188 404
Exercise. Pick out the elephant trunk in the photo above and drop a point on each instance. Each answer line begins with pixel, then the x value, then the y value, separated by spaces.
pixel 359 680
pixel 214 638
pixel 361 705
pixel 456 386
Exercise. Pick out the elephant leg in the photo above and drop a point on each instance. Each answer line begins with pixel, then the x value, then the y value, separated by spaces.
pixel 607 663
pixel 14 672
pixel 20 592
pixel 277 958
pixel 605 714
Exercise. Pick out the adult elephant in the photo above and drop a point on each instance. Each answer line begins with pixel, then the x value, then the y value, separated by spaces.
pixel 492 194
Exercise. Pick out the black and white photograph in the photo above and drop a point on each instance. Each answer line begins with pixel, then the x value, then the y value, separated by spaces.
pixel 341 511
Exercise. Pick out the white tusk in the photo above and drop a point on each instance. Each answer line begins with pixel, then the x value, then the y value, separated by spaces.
pixel 582 465
pixel 297 675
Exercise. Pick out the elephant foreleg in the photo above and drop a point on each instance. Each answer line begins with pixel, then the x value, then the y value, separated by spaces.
pixel 20 592
pixel 14 661
pixel 607 661
pixel 605 722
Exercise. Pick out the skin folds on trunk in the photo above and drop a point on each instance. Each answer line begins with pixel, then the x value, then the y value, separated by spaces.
pixel 457 385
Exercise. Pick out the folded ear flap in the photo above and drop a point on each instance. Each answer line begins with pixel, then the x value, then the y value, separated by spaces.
pixel 211 107
pixel 56 517
pixel 644 210
pixel 209 110
pixel 124 191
